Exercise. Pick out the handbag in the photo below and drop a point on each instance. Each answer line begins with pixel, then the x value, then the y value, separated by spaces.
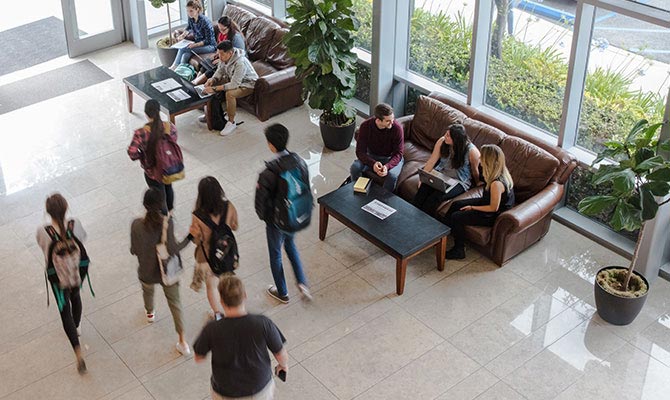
pixel 170 265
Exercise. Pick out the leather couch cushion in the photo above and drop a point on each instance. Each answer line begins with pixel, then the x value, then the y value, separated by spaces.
pixel 413 152
pixel 241 17
pixel 277 54
pixel 262 68
pixel 431 120
pixel 530 166
pixel 481 133
pixel 260 37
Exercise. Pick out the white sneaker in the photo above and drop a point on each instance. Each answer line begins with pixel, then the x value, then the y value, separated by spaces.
pixel 79 330
pixel 151 316
pixel 183 349
pixel 228 129
pixel 305 292
pixel 203 119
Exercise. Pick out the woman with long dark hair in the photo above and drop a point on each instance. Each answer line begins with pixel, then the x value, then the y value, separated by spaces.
pixel 67 299
pixel 145 234
pixel 227 30
pixel 211 202
pixel 456 157
pixel 144 147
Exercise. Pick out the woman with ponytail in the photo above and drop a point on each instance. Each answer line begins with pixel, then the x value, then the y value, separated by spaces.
pixel 145 234
pixel 144 147
pixel 68 299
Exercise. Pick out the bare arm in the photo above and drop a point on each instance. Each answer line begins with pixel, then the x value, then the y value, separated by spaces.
pixel 497 189
pixel 199 359
pixel 231 217
pixel 474 164
pixel 282 359
pixel 434 156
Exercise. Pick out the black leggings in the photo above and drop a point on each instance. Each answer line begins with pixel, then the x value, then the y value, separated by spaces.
pixel 428 199
pixel 457 219
pixel 168 193
pixel 70 315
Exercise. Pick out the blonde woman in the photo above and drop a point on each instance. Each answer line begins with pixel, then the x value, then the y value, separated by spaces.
pixel 498 197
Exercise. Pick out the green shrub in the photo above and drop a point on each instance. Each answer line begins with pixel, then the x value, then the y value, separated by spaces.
pixel 363 11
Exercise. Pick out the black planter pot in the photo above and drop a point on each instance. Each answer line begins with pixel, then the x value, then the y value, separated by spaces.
pixel 166 55
pixel 337 138
pixel 615 309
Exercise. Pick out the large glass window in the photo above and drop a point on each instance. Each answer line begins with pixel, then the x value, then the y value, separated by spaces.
pixel 528 62
pixel 363 83
pixel 439 41
pixel 157 18
pixel 363 12
pixel 628 78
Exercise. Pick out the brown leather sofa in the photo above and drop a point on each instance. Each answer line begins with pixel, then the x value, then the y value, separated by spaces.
pixel 540 171
pixel 277 88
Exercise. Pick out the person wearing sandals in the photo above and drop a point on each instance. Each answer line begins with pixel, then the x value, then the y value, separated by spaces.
pixel 202 30
pixel 212 202
pixel 145 234
pixel 69 305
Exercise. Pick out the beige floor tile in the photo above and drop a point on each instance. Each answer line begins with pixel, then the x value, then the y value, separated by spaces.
pixel 426 377
pixel 500 391
pixel 186 381
pixel 471 387
pixel 507 324
pixel 655 339
pixel 382 347
pixel 348 247
pixel 300 385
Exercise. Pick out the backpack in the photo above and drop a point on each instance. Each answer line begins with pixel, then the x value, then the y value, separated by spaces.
pixel 293 207
pixel 223 252
pixel 186 71
pixel 169 159
pixel 67 262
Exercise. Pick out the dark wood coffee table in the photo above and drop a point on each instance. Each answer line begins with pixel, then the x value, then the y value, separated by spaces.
pixel 140 84
pixel 402 235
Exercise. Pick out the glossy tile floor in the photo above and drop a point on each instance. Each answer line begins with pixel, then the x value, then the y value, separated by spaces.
pixel 474 331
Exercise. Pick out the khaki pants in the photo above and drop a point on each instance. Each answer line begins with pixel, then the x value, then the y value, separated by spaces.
pixel 231 100
pixel 172 297
pixel 268 393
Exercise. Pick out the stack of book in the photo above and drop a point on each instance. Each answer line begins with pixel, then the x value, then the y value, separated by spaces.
pixel 362 185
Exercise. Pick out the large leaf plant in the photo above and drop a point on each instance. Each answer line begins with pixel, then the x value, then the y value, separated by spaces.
pixel 639 177
pixel 321 40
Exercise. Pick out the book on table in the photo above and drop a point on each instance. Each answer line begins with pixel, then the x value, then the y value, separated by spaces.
pixel 362 185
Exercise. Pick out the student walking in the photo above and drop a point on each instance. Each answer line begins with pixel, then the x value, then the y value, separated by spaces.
pixel 284 176
pixel 497 197
pixel 61 243
pixel 241 367
pixel 145 234
pixel 212 209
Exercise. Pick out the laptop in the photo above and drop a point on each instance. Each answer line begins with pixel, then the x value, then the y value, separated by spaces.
pixel 437 180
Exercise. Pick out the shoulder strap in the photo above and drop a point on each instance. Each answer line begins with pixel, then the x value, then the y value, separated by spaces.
pixel 70 229
pixel 51 231
pixel 224 214
pixel 205 219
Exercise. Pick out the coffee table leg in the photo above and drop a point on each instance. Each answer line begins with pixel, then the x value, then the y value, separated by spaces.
pixel 440 251
pixel 400 271
pixel 323 222
pixel 129 98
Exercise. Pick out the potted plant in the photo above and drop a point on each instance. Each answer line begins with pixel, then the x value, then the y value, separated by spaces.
pixel 165 53
pixel 639 178
pixel 321 42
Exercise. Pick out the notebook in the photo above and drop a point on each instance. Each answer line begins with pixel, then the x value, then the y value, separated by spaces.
pixel 437 180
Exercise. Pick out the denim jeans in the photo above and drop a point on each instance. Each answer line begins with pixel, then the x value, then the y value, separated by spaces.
pixel 168 193
pixel 276 238
pixel 184 54
pixel 357 169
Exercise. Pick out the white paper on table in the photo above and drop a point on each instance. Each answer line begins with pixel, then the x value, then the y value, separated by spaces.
pixel 179 95
pixel 378 209
pixel 165 85
pixel 181 44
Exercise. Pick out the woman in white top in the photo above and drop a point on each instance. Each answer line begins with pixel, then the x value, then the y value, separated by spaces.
pixel 68 299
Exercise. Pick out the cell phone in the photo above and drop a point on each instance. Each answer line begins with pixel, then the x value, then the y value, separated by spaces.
pixel 282 375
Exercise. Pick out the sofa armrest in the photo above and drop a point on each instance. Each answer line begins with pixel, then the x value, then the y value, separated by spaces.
pixel 277 80
pixel 530 211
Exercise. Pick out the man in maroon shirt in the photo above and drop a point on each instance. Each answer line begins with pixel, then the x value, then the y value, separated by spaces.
pixel 379 147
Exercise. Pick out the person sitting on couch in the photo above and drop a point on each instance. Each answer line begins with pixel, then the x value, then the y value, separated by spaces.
pixel 228 30
pixel 200 27
pixel 379 147
pixel 454 156
pixel 236 77
pixel 498 197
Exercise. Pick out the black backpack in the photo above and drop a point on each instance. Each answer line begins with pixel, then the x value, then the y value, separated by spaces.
pixel 223 254
pixel 294 202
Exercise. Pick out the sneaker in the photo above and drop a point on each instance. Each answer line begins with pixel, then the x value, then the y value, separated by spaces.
pixel 272 291
pixel 203 119
pixel 305 291
pixel 455 253
pixel 183 349
pixel 228 129
pixel 151 317
pixel 81 367
pixel 79 331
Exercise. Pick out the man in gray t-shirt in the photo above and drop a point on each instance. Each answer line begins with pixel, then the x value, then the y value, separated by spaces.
pixel 239 344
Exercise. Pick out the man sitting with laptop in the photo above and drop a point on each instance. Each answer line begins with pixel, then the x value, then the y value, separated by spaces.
pixel 379 147
pixel 453 167
pixel 236 77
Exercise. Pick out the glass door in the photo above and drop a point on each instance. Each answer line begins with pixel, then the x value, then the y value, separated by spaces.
pixel 92 25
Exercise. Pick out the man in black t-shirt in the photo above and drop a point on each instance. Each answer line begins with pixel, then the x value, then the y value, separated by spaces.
pixel 239 344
